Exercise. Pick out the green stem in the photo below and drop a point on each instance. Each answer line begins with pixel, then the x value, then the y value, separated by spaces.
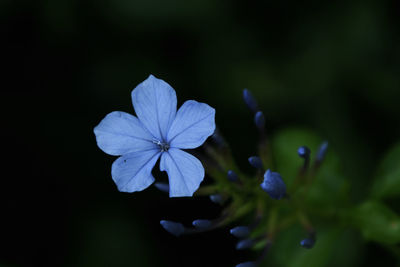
pixel 303 219
pixel 273 217
pixel 206 190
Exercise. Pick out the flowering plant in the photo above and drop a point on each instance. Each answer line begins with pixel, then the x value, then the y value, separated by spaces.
pixel 288 188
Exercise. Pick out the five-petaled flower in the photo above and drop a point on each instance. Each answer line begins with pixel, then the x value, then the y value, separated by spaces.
pixel 158 130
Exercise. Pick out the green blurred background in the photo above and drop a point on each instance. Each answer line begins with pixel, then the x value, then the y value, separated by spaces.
pixel 331 66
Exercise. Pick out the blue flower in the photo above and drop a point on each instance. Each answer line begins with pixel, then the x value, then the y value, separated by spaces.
pixel 159 130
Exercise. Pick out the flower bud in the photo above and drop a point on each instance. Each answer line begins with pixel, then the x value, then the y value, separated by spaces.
pixel 174 228
pixel 304 152
pixel 247 264
pixel 216 198
pixel 240 231
pixel 244 244
pixel 162 187
pixel 202 224
pixel 259 120
pixel 218 139
pixel 273 185
pixel 256 162
pixel 322 151
pixel 232 176
pixel 250 100
pixel 307 243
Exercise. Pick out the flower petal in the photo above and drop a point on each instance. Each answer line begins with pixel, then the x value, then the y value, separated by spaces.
pixel 132 172
pixel 185 172
pixel 194 122
pixel 121 133
pixel 155 105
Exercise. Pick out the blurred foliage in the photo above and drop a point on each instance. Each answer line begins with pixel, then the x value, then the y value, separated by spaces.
pixel 377 222
pixel 387 177
pixel 336 247
pixel 330 196
pixel 110 241
pixel 331 188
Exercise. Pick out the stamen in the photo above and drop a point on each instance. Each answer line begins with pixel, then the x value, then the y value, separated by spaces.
pixel 163 146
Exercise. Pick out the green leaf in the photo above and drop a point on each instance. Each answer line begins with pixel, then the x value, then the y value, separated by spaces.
pixel 377 222
pixel 330 187
pixel 387 178
pixel 334 247
pixel 284 146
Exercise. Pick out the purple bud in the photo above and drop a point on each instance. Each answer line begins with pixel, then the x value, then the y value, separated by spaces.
pixel 322 151
pixel 174 228
pixel 162 187
pixel 244 244
pixel 259 120
pixel 250 100
pixel 273 185
pixel 232 176
pixel 217 138
pixel 304 152
pixel 307 243
pixel 216 198
pixel 240 231
pixel 202 224
pixel 247 264
pixel 256 162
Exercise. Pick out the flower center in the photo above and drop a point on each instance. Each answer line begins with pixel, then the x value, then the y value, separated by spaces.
pixel 163 146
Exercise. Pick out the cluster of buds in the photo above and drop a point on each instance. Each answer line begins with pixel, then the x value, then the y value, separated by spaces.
pixel 265 197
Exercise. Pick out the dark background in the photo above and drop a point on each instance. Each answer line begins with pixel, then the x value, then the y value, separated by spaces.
pixel 330 66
